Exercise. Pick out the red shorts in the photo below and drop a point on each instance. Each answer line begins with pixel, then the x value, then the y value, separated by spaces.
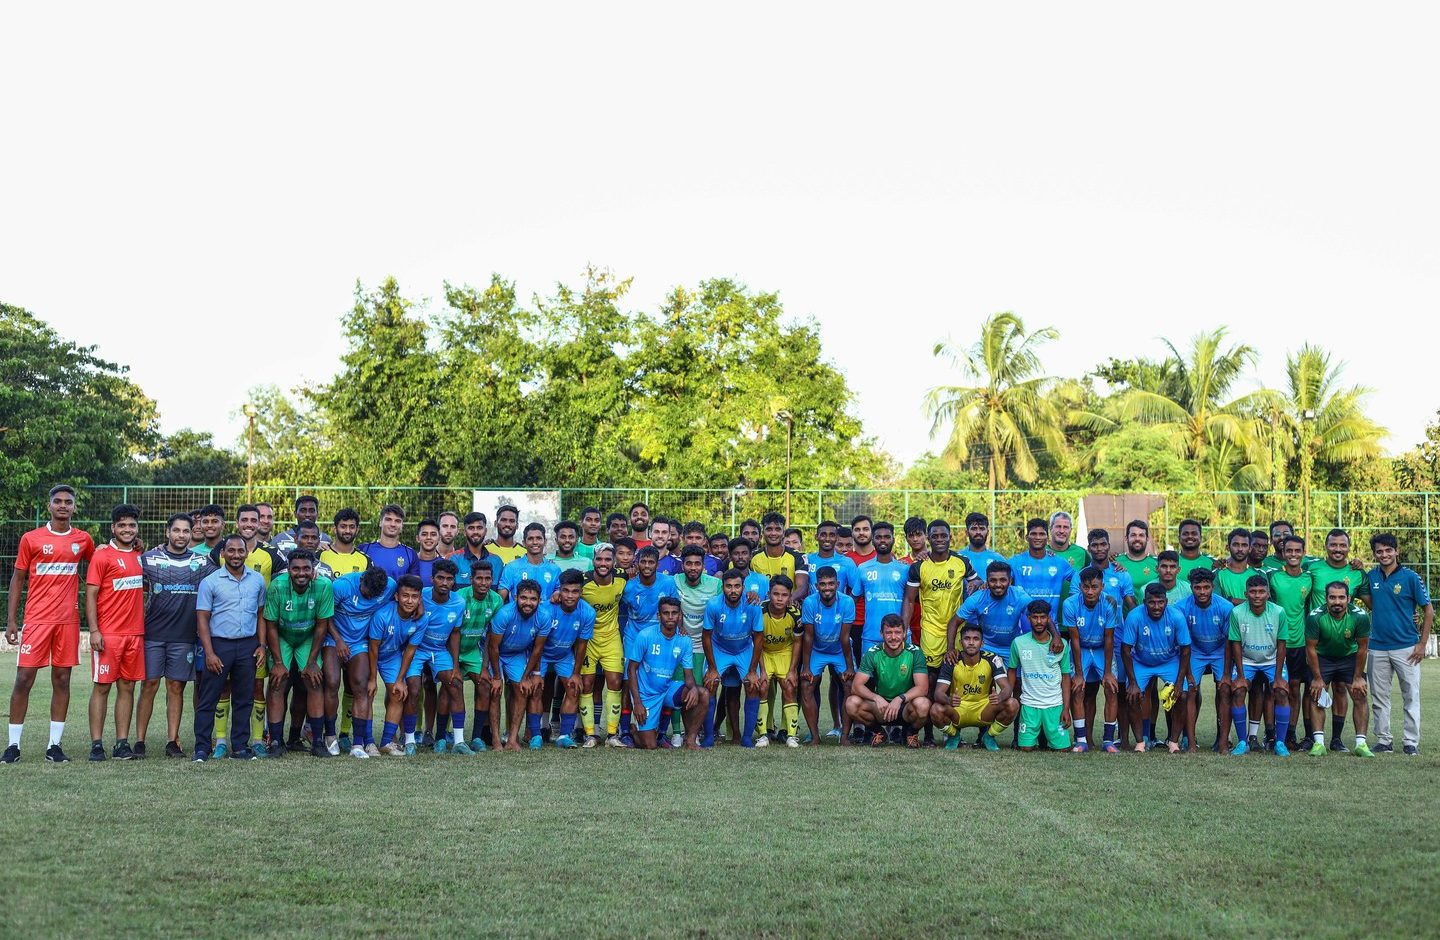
pixel 122 658
pixel 49 644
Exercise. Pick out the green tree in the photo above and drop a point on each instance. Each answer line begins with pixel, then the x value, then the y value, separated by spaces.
pixel 1324 424
pixel 65 413
pixel 1219 436
pixel 385 410
pixel 715 376
pixel 1008 415
pixel 1138 458
pixel 188 457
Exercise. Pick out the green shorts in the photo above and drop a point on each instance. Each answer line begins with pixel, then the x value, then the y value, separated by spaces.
pixel 295 656
pixel 1033 720
pixel 472 661
pixel 697 666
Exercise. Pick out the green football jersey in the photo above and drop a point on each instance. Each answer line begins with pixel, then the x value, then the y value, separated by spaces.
pixel 1074 554
pixel 478 614
pixel 577 561
pixel 1142 572
pixel 693 599
pixel 1293 593
pixel 1337 639
pixel 294 613
pixel 893 675
pixel 1324 575
pixel 1231 586
pixel 1178 593
pixel 1188 565
pixel 585 551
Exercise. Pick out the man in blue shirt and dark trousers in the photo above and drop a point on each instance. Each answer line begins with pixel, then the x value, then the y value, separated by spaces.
pixel 229 612
pixel 1396 647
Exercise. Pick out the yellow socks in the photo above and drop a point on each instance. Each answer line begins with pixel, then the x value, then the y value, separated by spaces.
pixel 792 719
pixel 612 711
pixel 222 720
pixel 587 714
pixel 346 702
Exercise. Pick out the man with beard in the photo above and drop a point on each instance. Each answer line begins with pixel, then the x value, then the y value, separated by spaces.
pixel 475 550
pixel 1190 534
pixel 1137 560
pixel 342 555
pixel 640 524
pixel 977 550
pixel 507 521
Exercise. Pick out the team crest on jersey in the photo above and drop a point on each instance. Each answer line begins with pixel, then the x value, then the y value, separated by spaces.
pixel 1054 571
pixel 904 668
pixel 1395 590
pixel 74 548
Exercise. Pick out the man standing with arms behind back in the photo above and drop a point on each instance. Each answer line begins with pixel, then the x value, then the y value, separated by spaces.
pixel 1396 647
pixel 230 621
pixel 49 558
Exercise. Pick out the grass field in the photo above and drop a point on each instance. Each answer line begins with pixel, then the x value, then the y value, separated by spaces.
pixel 840 842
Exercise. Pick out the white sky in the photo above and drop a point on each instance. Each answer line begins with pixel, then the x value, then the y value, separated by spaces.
pixel 186 176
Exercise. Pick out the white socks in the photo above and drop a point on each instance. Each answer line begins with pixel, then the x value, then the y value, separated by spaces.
pixel 57 728
pixel 15 734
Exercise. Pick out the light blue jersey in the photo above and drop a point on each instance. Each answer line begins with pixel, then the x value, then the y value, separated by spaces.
pixel 827 623
pixel 1209 626
pixel 1043 579
pixel 1091 622
pixel 844 569
pixel 441 620
pixel 1117 585
pixel 883 587
pixel 642 602
pixel 354 611
pixel 566 629
pixel 656 657
pixel 546 574
pixel 1000 619
pixel 517 633
pixel 732 629
pixel 981 560
pixel 1155 642
pixel 392 631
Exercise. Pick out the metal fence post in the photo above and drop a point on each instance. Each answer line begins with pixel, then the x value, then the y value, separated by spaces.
pixel 1428 580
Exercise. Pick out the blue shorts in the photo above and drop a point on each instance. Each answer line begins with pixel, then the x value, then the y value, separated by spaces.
pixel 1169 671
pixel 1267 670
pixel 388 666
pixel 512 666
pixel 1215 662
pixel 819 660
pixel 438 660
pixel 361 642
pixel 669 698
pixel 728 663
pixel 564 668
pixel 1092 664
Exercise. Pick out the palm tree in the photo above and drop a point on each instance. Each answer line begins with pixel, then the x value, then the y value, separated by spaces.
pixel 1321 422
pixel 1009 415
pixel 1219 437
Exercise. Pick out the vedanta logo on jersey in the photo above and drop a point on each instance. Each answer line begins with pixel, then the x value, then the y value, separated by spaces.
pixel 63 568
pixel 131 583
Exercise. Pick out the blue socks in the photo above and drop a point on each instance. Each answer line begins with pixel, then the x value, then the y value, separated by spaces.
pixel 1146 727
pixel 277 732
pixel 624 724
pixel 567 724
pixel 1237 718
pixel 1111 729
pixel 387 734
pixel 752 714
pixel 364 733
pixel 1282 721
pixel 532 721
pixel 330 727
pixel 708 739
pixel 457 721
pixel 409 725
pixel 317 730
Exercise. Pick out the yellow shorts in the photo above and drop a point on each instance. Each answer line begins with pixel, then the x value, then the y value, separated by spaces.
pixel 933 646
pixel 605 653
pixel 776 663
pixel 968 713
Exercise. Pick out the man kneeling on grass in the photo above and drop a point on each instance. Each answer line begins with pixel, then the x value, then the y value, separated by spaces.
pixel 652 657
pixel 891 686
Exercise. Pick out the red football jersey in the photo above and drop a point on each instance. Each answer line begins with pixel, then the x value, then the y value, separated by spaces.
pixel 120 604
pixel 52 562
pixel 859 560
